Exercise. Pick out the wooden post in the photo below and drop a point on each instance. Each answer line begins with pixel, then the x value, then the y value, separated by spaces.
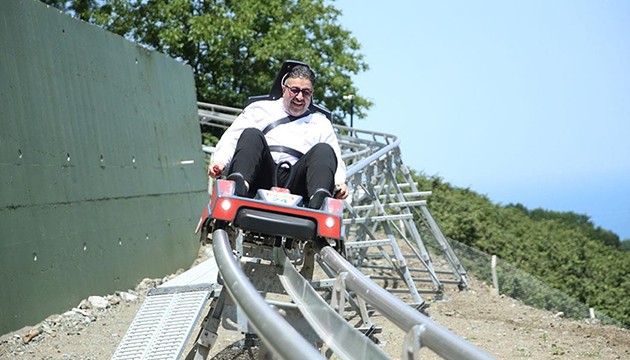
pixel 495 279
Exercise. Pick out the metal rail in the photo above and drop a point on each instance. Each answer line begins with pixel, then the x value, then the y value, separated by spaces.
pixel 335 331
pixel 432 335
pixel 377 205
pixel 274 330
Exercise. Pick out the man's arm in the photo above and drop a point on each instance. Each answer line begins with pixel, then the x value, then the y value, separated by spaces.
pixel 227 144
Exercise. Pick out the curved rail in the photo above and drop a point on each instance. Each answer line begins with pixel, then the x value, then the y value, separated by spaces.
pixel 344 339
pixel 267 322
pixel 366 154
pixel 359 165
pixel 434 336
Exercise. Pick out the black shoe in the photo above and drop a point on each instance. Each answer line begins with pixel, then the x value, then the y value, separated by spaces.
pixel 317 199
pixel 240 187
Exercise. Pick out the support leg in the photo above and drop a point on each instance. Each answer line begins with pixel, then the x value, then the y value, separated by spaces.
pixel 209 330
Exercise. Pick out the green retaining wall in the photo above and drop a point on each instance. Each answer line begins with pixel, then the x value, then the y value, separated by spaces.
pixel 102 176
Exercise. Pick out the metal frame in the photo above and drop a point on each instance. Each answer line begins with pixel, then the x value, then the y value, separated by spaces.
pixel 380 215
pixel 419 328
pixel 379 204
pixel 269 325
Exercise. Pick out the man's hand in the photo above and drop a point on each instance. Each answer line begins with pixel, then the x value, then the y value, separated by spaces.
pixel 215 169
pixel 341 191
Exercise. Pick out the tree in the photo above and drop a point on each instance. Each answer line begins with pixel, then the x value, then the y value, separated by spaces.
pixel 563 249
pixel 235 48
pixel 81 9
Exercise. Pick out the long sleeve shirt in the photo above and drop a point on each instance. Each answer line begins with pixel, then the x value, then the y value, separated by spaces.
pixel 301 134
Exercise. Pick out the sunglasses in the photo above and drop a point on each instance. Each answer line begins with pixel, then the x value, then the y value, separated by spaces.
pixel 296 90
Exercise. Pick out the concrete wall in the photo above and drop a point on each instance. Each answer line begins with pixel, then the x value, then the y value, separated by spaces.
pixel 93 193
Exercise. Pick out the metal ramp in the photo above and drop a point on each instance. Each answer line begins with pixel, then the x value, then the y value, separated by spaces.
pixel 163 325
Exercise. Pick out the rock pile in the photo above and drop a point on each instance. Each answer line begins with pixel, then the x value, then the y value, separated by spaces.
pixel 74 321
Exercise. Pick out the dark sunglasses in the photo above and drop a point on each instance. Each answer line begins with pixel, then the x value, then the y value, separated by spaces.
pixel 296 90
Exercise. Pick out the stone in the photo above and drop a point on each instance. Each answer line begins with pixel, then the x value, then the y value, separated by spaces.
pixel 128 297
pixel 98 302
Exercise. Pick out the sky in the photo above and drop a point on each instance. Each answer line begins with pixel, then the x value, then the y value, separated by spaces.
pixel 522 101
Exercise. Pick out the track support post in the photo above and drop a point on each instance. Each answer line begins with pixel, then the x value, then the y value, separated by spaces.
pixel 338 299
pixel 413 343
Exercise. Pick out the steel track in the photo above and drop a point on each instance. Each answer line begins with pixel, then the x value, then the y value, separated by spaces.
pixel 364 158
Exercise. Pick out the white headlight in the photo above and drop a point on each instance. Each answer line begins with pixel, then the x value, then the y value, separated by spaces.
pixel 226 205
pixel 330 222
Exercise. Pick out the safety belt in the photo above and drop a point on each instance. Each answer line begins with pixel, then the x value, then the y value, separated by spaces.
pixel 280 148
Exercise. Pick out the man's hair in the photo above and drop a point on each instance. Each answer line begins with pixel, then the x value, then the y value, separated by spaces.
pixel 300 71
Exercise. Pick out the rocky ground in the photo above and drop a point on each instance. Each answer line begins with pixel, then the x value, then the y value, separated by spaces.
pixel 501 326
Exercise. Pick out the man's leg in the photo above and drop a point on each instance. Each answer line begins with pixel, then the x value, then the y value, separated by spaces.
pixel 252 160
pixel 315 173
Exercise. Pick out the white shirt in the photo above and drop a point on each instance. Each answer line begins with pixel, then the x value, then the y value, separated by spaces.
pixel 301 134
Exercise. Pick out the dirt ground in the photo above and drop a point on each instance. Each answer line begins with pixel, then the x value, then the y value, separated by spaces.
pixel 499 325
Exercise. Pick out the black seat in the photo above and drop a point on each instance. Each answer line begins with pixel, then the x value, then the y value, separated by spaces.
pixel 276 89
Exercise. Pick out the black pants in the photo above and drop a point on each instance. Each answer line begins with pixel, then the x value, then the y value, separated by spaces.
pixel 252 158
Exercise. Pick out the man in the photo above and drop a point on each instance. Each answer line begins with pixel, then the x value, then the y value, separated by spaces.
pixel 282 140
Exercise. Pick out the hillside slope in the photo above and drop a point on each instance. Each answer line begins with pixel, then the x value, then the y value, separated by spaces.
pixel 500 325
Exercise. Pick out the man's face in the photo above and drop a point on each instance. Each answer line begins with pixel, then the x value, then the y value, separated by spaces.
pixel 297 94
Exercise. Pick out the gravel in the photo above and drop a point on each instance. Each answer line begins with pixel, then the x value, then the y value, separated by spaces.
pixel 500 325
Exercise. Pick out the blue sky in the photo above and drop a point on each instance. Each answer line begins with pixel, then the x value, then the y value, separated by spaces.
pixel 525 102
